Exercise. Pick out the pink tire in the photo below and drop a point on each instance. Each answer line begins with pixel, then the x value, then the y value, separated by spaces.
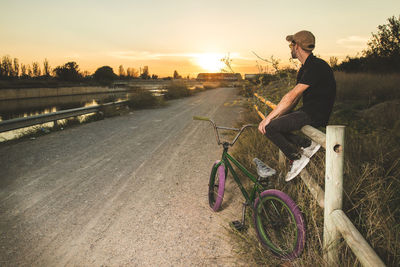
pixel 216 186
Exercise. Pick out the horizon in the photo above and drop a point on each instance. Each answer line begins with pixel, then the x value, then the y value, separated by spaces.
pixel 189 37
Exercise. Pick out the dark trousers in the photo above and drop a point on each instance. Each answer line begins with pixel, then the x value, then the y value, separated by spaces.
pixel 279 132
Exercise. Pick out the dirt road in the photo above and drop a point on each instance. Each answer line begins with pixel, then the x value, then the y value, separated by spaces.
pixel 128 190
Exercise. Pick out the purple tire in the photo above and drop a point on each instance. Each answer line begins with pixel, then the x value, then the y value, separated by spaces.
pixel 279 224
pixel 216 186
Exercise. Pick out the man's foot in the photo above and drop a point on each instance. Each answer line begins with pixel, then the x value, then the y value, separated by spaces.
pixel 311 150
pixel 296 168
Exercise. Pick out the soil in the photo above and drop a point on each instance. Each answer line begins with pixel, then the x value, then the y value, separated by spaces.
pixel 124 191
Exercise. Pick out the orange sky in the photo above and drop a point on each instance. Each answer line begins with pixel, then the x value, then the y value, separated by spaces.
pixel 187 36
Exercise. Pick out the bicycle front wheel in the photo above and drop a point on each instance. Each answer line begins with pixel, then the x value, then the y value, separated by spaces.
pixel 216 186
pixel 279 224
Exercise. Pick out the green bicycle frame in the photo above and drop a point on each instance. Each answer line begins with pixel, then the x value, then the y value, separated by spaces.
pixel 227 159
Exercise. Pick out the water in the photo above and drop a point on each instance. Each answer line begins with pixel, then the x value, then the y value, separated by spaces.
pixel 10 109
pixel 17 108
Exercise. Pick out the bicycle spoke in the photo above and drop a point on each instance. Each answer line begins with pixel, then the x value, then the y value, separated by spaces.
pixel 277 224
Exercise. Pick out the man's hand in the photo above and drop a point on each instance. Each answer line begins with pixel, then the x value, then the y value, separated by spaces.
pixel 263 123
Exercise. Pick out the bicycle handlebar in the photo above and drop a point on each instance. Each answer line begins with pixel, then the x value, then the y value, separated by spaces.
pixel 200 118
pixel 240 131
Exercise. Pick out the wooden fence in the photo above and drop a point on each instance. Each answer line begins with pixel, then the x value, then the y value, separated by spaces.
pixel 335 220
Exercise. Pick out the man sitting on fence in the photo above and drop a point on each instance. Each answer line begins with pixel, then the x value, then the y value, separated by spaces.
pixel 316 84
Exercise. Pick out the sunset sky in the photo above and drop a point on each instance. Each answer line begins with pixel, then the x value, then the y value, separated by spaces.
pixel 183 35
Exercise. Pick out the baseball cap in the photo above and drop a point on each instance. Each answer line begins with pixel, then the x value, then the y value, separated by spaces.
pixel 304 39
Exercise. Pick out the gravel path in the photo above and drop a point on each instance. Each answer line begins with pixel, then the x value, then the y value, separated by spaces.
pixel 128 190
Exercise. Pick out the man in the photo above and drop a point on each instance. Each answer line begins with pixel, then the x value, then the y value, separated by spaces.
pixel 316 85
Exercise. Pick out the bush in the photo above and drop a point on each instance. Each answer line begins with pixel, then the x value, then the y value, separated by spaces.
pixel 105 75
pixel 368 88
pixel 177 90
pixel 371 173
pixel 142 98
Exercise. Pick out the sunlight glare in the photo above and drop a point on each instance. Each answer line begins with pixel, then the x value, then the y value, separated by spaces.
pixel 210 62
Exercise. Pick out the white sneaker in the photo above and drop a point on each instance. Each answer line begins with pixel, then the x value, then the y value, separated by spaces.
pixel 311 150
pixel 297 166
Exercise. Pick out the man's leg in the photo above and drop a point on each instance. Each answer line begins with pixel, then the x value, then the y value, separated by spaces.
pixel 278 131
pixel 298 140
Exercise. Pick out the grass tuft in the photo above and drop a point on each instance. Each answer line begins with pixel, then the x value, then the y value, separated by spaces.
pixel 177 90
pixel 371 198
pixel 142 98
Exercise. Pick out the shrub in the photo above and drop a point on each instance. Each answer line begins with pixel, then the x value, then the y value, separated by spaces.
pixel 371 173
pixel 177 90
pixel 142 98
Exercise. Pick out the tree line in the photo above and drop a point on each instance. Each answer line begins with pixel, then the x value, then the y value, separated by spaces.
pixel 382 54
pixel 11 70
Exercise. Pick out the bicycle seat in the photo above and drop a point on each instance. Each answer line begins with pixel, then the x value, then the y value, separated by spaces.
pixel 263 170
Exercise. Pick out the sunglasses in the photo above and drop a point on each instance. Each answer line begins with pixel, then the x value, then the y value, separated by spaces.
pixel 292 44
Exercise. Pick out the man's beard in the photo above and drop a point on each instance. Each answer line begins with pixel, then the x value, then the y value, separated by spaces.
pixel 293 53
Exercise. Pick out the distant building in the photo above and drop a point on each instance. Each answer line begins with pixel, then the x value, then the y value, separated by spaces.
pixel 258 78
pixel 229 77
pixel 250 77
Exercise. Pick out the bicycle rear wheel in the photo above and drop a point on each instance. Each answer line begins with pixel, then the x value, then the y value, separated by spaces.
pixel 279 224
pixel 216 186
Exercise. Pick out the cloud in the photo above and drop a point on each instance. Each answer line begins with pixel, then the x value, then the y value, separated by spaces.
pixel 146 55
pixel 353 42
pixel 136 55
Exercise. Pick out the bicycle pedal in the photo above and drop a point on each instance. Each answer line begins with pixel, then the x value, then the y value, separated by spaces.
pixel 238 225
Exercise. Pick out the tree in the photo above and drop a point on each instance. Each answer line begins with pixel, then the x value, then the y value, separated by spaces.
pixel 121 71
pixel 105 75
pixel 68 72
pixel 132 73
pixel 176 75
pixel 23 71
pixel 29 70
pixel 228 64
pixel 6 67
pixel 36 69
pixel 386 42
pixel 154 77
pixel 333 62
pixel 145 74
pixel 15 68
pixel 46 68
pixel 382 54
pixel 85 74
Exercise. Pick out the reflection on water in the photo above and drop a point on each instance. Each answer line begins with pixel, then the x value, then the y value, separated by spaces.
pixel 10 109
pixel 90 104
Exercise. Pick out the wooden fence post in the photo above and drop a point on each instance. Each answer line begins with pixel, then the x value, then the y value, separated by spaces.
pixel 333 190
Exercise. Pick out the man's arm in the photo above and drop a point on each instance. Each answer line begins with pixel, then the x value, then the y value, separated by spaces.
pixel 288 102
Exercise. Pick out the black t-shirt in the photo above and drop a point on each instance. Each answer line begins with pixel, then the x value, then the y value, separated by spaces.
pixel 318 99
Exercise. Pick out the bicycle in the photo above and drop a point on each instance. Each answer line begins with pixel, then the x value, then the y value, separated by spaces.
pixel 278 221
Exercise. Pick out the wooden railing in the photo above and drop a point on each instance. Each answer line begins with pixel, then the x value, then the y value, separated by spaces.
pixel 335 220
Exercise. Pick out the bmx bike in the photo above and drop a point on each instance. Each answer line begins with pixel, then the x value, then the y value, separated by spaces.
pixel 277 220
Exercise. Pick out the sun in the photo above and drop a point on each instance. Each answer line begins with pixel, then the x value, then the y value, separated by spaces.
pixel 210 62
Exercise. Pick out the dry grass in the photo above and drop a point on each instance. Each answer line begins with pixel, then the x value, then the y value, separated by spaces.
pixel 142 98
pixel 371 176
pixel 177 89
pixel 367 87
